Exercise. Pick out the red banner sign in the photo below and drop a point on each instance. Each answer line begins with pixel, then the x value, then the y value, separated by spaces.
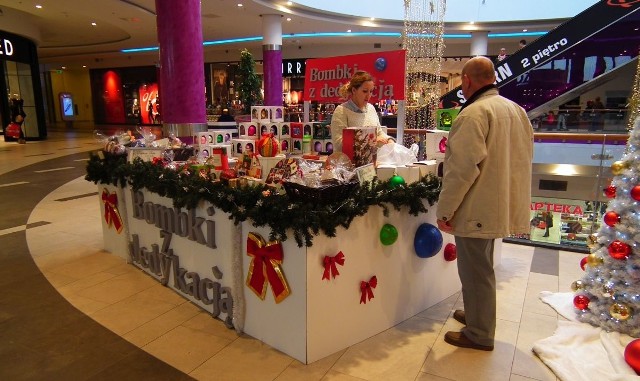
pixel 324 76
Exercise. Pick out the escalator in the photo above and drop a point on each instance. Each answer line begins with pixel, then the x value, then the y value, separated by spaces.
pixel 571 59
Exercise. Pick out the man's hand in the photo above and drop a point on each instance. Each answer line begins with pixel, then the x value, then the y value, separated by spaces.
pixel 445 226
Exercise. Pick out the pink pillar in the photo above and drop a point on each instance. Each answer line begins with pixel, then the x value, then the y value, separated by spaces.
pixel 182 93
pixel 272 59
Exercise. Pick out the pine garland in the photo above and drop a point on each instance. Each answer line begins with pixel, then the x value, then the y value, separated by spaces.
pixel 277 211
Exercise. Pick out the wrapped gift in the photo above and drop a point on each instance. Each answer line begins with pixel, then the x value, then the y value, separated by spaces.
pixel 359 144
pixel 268 163
pixel 427 167
pixel 285 145
pixel 240 146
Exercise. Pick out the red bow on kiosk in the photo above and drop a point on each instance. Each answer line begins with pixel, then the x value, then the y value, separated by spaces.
pixel 330 269
pixel 265 267
pixel 366 289
pixel 111 214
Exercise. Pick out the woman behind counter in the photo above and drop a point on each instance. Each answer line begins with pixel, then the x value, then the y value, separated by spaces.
pixel 357 111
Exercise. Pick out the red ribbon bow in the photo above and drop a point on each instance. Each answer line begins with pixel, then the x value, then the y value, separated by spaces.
pixel 366 289
pixel 111 214
pixel 330 269
pixel 265 267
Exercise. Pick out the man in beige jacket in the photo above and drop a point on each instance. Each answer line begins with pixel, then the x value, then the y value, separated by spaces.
pixel 486 193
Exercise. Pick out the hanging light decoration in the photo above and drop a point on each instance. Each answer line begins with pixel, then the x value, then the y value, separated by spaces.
pixel 424 43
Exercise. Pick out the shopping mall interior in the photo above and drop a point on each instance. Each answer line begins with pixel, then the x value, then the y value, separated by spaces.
pixel 73 310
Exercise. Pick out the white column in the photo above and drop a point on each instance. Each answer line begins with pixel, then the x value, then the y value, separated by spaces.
pixel 479 43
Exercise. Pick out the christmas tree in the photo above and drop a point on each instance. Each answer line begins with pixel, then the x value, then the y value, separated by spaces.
pixel 608 295
pixel 250 84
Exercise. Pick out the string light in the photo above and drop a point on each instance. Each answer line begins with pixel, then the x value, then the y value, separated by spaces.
pixel 424 43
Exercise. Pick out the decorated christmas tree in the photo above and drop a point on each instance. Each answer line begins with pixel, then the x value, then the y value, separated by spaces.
pixel 608 295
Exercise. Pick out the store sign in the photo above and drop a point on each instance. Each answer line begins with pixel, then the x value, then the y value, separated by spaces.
pixel 15 48
pixel 293 68
pixel 325 76
pixel 6 48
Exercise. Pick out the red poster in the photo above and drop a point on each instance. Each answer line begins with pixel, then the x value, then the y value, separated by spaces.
pixel 150 103
pixel 324 76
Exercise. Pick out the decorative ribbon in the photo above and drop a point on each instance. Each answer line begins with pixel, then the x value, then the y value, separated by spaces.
pixel 330 269
pixel 265 267
pixel 111 214
pixel 366 289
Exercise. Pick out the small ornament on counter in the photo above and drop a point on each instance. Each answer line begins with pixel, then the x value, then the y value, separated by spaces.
pixel 396 181
pixel 330 262
pixel 366 289
pixel 268 145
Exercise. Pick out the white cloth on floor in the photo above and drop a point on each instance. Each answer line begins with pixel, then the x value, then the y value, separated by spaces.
pixel 581 352
pixel 562 302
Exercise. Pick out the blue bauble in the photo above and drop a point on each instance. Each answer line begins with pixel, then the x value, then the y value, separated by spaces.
pixel 381 64
pixel 428 241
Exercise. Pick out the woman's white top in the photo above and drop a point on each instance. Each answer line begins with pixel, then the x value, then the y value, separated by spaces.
pixel 350 115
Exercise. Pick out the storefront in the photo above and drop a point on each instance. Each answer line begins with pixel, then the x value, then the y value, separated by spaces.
pixel 20 85
pixel 126 95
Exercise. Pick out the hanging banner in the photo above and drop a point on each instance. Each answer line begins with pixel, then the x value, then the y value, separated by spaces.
pixel 574 31
pixel 324 76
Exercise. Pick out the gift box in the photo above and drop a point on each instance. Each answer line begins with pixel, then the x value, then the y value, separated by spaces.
pixel 435 144
pixel 307 129
pixel 296 146
pixel 317 145
pixel 285 145
pixel 223 136
pixel 284 130
pixel 240 146
pixel 248 129
pixel 296 130
pixel 260 114
pixel 427 167
pixel 359 144
pixel 205 138
pixel 328 147
pixel 277 113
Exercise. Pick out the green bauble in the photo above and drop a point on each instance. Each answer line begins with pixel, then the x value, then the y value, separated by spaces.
pixel 396 181
pixel 388 234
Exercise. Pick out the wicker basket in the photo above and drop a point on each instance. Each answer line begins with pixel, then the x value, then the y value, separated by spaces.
pixel 323 195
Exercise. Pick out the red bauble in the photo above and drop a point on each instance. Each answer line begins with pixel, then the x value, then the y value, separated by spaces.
pixel 571 236
pixel 632 355
pixel 610 191
pixel 635 192
pixel 619 250
pixel 268 145
pixel 581 302
pixel 583 262
pixel 611 218
pixel 450 252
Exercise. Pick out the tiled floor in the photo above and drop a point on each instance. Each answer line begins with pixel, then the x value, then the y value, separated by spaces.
pixel 51 218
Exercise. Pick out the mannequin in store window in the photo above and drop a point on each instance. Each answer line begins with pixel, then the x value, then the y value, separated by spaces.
pixel 220 89
pixel 16 110
pixel 357 111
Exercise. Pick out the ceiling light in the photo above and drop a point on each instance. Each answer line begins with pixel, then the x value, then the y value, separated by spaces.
pixel 38 6
pixel 524 30
pixel 94 24
pixel 239 4
pixel 472 22
pixel 84 65
pixel 348 30
pixel 288 18
pixel 64 67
